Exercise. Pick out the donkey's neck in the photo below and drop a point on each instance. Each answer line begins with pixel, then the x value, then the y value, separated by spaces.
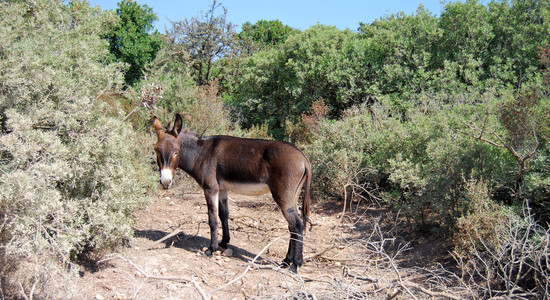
pixel 190 148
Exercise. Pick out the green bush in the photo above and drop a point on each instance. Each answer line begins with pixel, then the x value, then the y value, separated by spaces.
pixel 416 163
pixel 70 175
pixel 279 84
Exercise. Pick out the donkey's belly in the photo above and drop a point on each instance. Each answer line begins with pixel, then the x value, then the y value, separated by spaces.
pixel 251 189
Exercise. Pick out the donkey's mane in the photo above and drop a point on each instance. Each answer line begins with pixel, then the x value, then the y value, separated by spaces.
pixel 189 132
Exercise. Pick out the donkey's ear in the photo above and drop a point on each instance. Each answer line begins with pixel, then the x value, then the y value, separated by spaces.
pixel 178 124
pixel 157 126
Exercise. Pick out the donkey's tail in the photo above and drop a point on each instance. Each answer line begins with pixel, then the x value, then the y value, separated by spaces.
pixel 307 197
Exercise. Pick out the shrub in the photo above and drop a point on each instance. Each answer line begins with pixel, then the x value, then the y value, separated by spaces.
pixel 69 173
pixel 416 163
pixel 203 108
pixel 501 252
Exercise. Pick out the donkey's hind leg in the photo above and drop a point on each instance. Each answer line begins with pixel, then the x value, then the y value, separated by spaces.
pixel 223 213
pixel 294 256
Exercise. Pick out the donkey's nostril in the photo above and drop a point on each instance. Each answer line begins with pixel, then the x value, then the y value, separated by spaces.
pixel 166 183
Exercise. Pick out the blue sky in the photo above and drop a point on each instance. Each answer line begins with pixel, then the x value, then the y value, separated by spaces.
pixel 300 14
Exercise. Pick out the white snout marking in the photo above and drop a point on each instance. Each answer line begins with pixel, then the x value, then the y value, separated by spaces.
pixel 166 178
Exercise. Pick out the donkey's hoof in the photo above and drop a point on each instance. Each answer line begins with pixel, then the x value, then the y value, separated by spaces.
pixel 292 266
pixel 208 251
pixel 284 264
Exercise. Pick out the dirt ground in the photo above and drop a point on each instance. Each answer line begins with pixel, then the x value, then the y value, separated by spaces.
pixel 362 255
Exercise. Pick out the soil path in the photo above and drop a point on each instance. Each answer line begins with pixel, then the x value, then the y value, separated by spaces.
pixel 341 259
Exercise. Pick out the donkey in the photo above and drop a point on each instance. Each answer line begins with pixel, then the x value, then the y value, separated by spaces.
pixel 245 166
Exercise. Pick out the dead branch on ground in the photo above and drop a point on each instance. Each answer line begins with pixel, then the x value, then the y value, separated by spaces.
pixel 178 279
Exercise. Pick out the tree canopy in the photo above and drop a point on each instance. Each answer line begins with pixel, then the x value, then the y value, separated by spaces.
pixel 131 39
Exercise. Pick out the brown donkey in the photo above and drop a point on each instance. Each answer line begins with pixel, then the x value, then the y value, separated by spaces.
pixel 245 166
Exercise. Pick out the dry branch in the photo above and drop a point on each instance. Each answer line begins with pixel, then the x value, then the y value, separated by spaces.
pixel 174 233
pixel 253 262
pixel 428 292
pixel 314 255
pixel 178 279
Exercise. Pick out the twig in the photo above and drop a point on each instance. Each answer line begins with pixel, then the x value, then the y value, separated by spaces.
pixel 201 291
pixel 180 279
pixel 394 295
pixel 314 255
pixel 430 293
pixel 253 262
pixel 174 233
pixel 347 273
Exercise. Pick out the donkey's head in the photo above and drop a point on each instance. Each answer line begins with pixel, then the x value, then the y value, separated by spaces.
pixel 167 149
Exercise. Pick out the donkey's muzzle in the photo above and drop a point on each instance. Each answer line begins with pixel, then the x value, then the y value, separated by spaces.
pixel 166 178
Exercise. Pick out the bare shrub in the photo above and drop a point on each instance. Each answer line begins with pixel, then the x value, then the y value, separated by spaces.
pixel 208 114
pixel 501 253
pixel 372 265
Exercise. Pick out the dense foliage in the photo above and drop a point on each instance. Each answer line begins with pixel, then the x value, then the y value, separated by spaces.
pixel 70 173
pixel 266 33
pixel 415 110
pixel 130 40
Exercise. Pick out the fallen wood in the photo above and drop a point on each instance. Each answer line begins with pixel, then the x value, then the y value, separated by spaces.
pixel 174 233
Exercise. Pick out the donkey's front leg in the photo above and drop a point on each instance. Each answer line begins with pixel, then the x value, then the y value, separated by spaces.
pixel 212 203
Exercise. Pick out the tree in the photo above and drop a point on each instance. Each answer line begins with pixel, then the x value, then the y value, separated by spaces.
pixel 278 84
pixel 266 33
pixel 399 50
pixel 130 40
pixel 206 39
pixel 498 41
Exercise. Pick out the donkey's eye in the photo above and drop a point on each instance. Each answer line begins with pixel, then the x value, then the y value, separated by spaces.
pixel 175 154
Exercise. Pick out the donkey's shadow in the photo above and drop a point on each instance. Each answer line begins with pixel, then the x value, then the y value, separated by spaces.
pixel 192 244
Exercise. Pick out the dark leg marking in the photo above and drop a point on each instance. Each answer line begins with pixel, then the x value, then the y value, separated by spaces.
pixel 223 212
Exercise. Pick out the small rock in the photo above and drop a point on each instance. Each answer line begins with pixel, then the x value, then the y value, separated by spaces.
pixel 172 203
pixel 99 297
pixel 120 296
pixel 163 270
